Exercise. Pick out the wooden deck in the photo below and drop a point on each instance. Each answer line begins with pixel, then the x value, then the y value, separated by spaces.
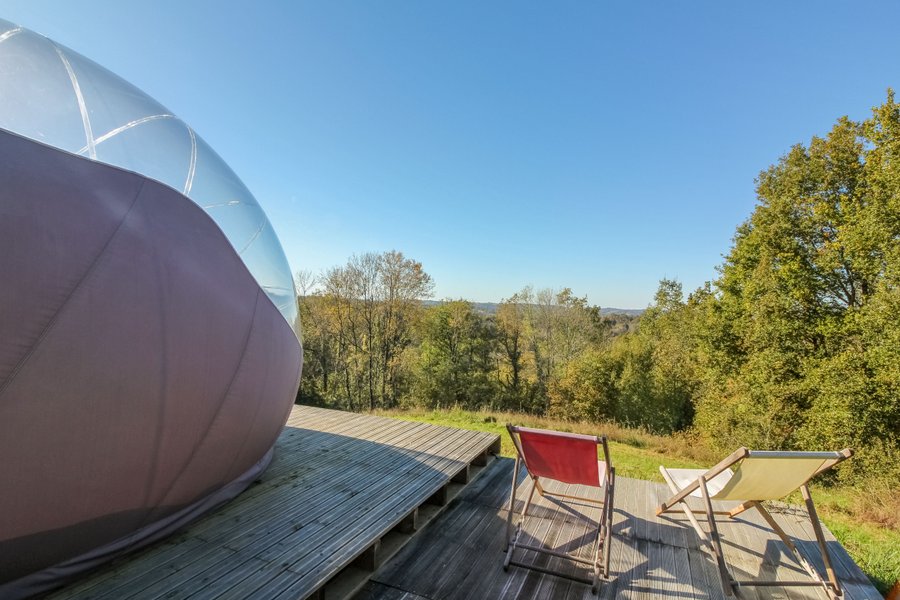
pixel 343 491
pixel 460 554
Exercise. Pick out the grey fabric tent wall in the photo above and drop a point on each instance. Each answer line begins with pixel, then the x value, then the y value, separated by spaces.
pixel 144 375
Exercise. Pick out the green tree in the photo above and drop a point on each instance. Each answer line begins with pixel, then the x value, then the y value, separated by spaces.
pixel 358 328
pixel 558 327
pixel 792 336
pixel 647 378
pixel 515 362
pixel 588 387
pixel 455 362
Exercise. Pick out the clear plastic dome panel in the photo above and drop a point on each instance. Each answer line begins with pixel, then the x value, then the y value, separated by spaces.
pixel 58 97
pixel 214 185
pixel 273 272
pixel 161 149
pixel 112 103
pixel 218 191
pixel 37 99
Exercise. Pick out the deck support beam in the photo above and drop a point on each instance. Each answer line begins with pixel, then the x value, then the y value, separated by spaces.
pixel 410 523
pixel 462 476
pixel 369 559
pixel 440 497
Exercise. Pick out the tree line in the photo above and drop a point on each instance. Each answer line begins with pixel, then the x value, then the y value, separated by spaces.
pixel 794 344
pixel 370 342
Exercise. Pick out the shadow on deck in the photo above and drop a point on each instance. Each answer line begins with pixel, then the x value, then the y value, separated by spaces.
pixel 460 555
pixel 343 491
pixel 346 491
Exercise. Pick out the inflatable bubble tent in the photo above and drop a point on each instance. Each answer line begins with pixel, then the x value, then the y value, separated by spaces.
pixel 149 338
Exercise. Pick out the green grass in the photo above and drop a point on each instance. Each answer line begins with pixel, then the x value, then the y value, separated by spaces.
pixel 873 543
pixel 632 451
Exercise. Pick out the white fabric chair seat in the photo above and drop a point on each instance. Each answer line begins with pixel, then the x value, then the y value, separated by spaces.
pixel 601 470
pixel 685 477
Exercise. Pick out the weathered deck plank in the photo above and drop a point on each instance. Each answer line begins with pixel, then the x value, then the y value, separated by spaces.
pixel 338 483
pixel 342 481
pixel 460 555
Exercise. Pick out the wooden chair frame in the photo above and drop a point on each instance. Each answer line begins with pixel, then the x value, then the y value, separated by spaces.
pixel 600 562
pixel 713 541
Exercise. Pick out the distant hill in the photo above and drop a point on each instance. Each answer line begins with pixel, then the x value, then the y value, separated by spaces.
pixel 490 308
pixel 631 312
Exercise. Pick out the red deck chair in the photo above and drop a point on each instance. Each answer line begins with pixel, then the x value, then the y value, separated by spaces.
pixel 569 458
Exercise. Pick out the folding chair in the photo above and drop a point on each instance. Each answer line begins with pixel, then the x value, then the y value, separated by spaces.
pixel 568 458
pixel 757 476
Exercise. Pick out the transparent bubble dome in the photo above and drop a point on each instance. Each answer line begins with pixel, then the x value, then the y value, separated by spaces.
pixel 57 97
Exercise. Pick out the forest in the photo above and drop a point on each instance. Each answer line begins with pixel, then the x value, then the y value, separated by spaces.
pixel 793 343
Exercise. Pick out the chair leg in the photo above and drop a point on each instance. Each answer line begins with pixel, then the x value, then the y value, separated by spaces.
pixel 810 569
pixel 704 539
pixel 835 591
pixel 512 504
pixel 596 568
pixel 604 535
pixel 727 586
pixel 534 486
pixel 608 507
pixel 512 538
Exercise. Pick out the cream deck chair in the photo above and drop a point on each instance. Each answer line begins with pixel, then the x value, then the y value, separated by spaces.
pixel 757 476
pixel 569 458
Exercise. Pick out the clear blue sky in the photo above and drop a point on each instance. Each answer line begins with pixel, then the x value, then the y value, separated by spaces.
pixel 595 145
